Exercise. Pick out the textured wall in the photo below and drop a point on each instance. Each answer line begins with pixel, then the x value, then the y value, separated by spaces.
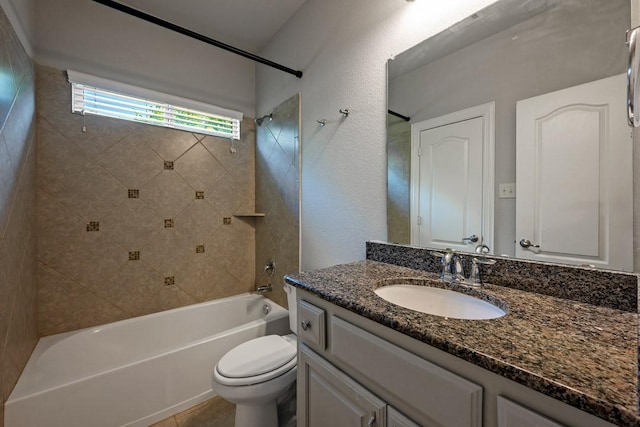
pixel 18 312
pixel 343 47
pixel 277 195
pixel 123 230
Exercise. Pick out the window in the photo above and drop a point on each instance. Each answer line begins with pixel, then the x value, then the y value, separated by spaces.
pixel 94 95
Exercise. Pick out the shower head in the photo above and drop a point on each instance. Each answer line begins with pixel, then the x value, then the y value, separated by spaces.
pixel 259 120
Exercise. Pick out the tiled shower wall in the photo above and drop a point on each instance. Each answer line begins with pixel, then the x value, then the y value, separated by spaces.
pixel 277 195
pixel 131 216
pixel 398 179
pixel 18 312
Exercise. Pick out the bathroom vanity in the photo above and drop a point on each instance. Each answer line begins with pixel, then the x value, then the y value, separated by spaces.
pixel 551 360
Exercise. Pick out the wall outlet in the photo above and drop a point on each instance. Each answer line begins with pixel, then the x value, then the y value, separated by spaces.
pixel 507 191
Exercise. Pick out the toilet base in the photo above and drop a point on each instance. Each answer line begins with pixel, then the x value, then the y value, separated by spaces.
pixel 257 415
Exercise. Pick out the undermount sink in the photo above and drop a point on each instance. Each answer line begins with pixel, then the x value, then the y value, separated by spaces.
pixel 439 302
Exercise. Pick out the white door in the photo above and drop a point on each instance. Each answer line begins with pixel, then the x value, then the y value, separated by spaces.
pixel 452 180
pixel 574 176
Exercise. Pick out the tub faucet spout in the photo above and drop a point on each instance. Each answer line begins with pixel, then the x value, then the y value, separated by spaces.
pixel 264 288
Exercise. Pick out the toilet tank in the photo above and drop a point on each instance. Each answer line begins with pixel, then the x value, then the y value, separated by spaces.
pixel 293 308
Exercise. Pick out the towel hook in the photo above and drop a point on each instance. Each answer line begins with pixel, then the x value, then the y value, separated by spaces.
pixel 322 122
pixel 345 112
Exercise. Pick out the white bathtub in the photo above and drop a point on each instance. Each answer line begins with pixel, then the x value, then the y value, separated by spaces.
pixel 137 371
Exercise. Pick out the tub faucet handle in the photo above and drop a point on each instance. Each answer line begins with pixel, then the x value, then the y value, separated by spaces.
pixel 270 268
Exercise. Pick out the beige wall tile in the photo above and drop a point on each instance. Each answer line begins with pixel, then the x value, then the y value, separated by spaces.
pixel 167 143
pixel 277 195
pixel 199 168
pixel 65 305
pixel 131 162
pixel 167 193
pixel 199 220
pixel 58 156
pixel 8 178
pixel 167 250
pixel 132 224
pixel 57 227
pixel 139 290
pixel 90 192
pixel 88 180
pixel 18 311
pixel 207 278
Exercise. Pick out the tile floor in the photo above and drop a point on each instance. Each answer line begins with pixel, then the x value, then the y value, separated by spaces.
pixel 215 412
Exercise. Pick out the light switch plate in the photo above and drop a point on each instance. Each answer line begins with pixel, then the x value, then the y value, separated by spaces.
pixel 507 191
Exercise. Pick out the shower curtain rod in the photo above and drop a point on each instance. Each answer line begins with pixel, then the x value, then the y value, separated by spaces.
pixel 393 113
pixel 161 22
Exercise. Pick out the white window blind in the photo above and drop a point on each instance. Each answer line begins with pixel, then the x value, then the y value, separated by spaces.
pixel 113 99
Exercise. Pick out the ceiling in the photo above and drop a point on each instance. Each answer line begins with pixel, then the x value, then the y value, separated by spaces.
pixel 246 24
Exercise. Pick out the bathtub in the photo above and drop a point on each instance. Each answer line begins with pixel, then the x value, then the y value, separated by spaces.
pixel 137 371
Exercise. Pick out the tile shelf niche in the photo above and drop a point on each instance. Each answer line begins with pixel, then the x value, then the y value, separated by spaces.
pixel 249 214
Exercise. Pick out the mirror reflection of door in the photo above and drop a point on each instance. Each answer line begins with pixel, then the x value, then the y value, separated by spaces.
pixel 579 137
pixel 452 185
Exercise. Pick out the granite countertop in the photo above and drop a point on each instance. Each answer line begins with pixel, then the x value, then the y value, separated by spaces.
pixel 581 354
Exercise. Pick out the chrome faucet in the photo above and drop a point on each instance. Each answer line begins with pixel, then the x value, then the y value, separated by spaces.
pixel 451 264
pixel 453 271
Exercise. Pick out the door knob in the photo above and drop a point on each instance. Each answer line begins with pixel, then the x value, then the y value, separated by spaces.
pixel 473 238
pixel 525 243
pixel 306 324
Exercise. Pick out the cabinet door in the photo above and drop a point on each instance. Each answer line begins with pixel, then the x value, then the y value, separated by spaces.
pixel 327 397
pixel 433 396
pixel 397 419
pixel 511 414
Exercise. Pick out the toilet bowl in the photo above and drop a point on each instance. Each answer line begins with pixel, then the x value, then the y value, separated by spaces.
pixel 256 373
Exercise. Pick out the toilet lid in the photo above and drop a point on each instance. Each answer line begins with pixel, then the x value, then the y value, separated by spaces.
pixel 256 357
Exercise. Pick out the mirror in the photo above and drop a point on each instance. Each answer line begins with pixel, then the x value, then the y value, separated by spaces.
pixel 510 51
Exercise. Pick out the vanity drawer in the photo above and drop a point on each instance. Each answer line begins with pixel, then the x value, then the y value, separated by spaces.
pixel 434 395
pixel 311 325
pixel 511 414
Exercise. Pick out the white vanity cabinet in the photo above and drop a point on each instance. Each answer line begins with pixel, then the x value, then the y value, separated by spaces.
pixel 331 398
pixel 354 372
pixel 392 378
pixel 510 414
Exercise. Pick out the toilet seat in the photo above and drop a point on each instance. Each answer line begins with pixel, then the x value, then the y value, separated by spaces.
pixel 256 361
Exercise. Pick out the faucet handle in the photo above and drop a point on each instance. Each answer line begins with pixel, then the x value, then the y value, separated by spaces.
pixel 474 276
pixel 457 270
pixel 437 254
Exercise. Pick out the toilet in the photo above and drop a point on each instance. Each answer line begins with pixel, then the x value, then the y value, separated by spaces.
pixel 256 374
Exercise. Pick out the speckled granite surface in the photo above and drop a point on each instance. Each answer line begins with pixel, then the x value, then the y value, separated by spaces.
pixel 582 354
pixel 599 287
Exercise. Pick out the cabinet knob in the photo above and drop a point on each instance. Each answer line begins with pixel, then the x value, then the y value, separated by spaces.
pixel 372 420
pixel 306 324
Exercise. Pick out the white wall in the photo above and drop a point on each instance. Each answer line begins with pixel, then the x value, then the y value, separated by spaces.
pixel 89 37
pixel 342 47
pixel 21 14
